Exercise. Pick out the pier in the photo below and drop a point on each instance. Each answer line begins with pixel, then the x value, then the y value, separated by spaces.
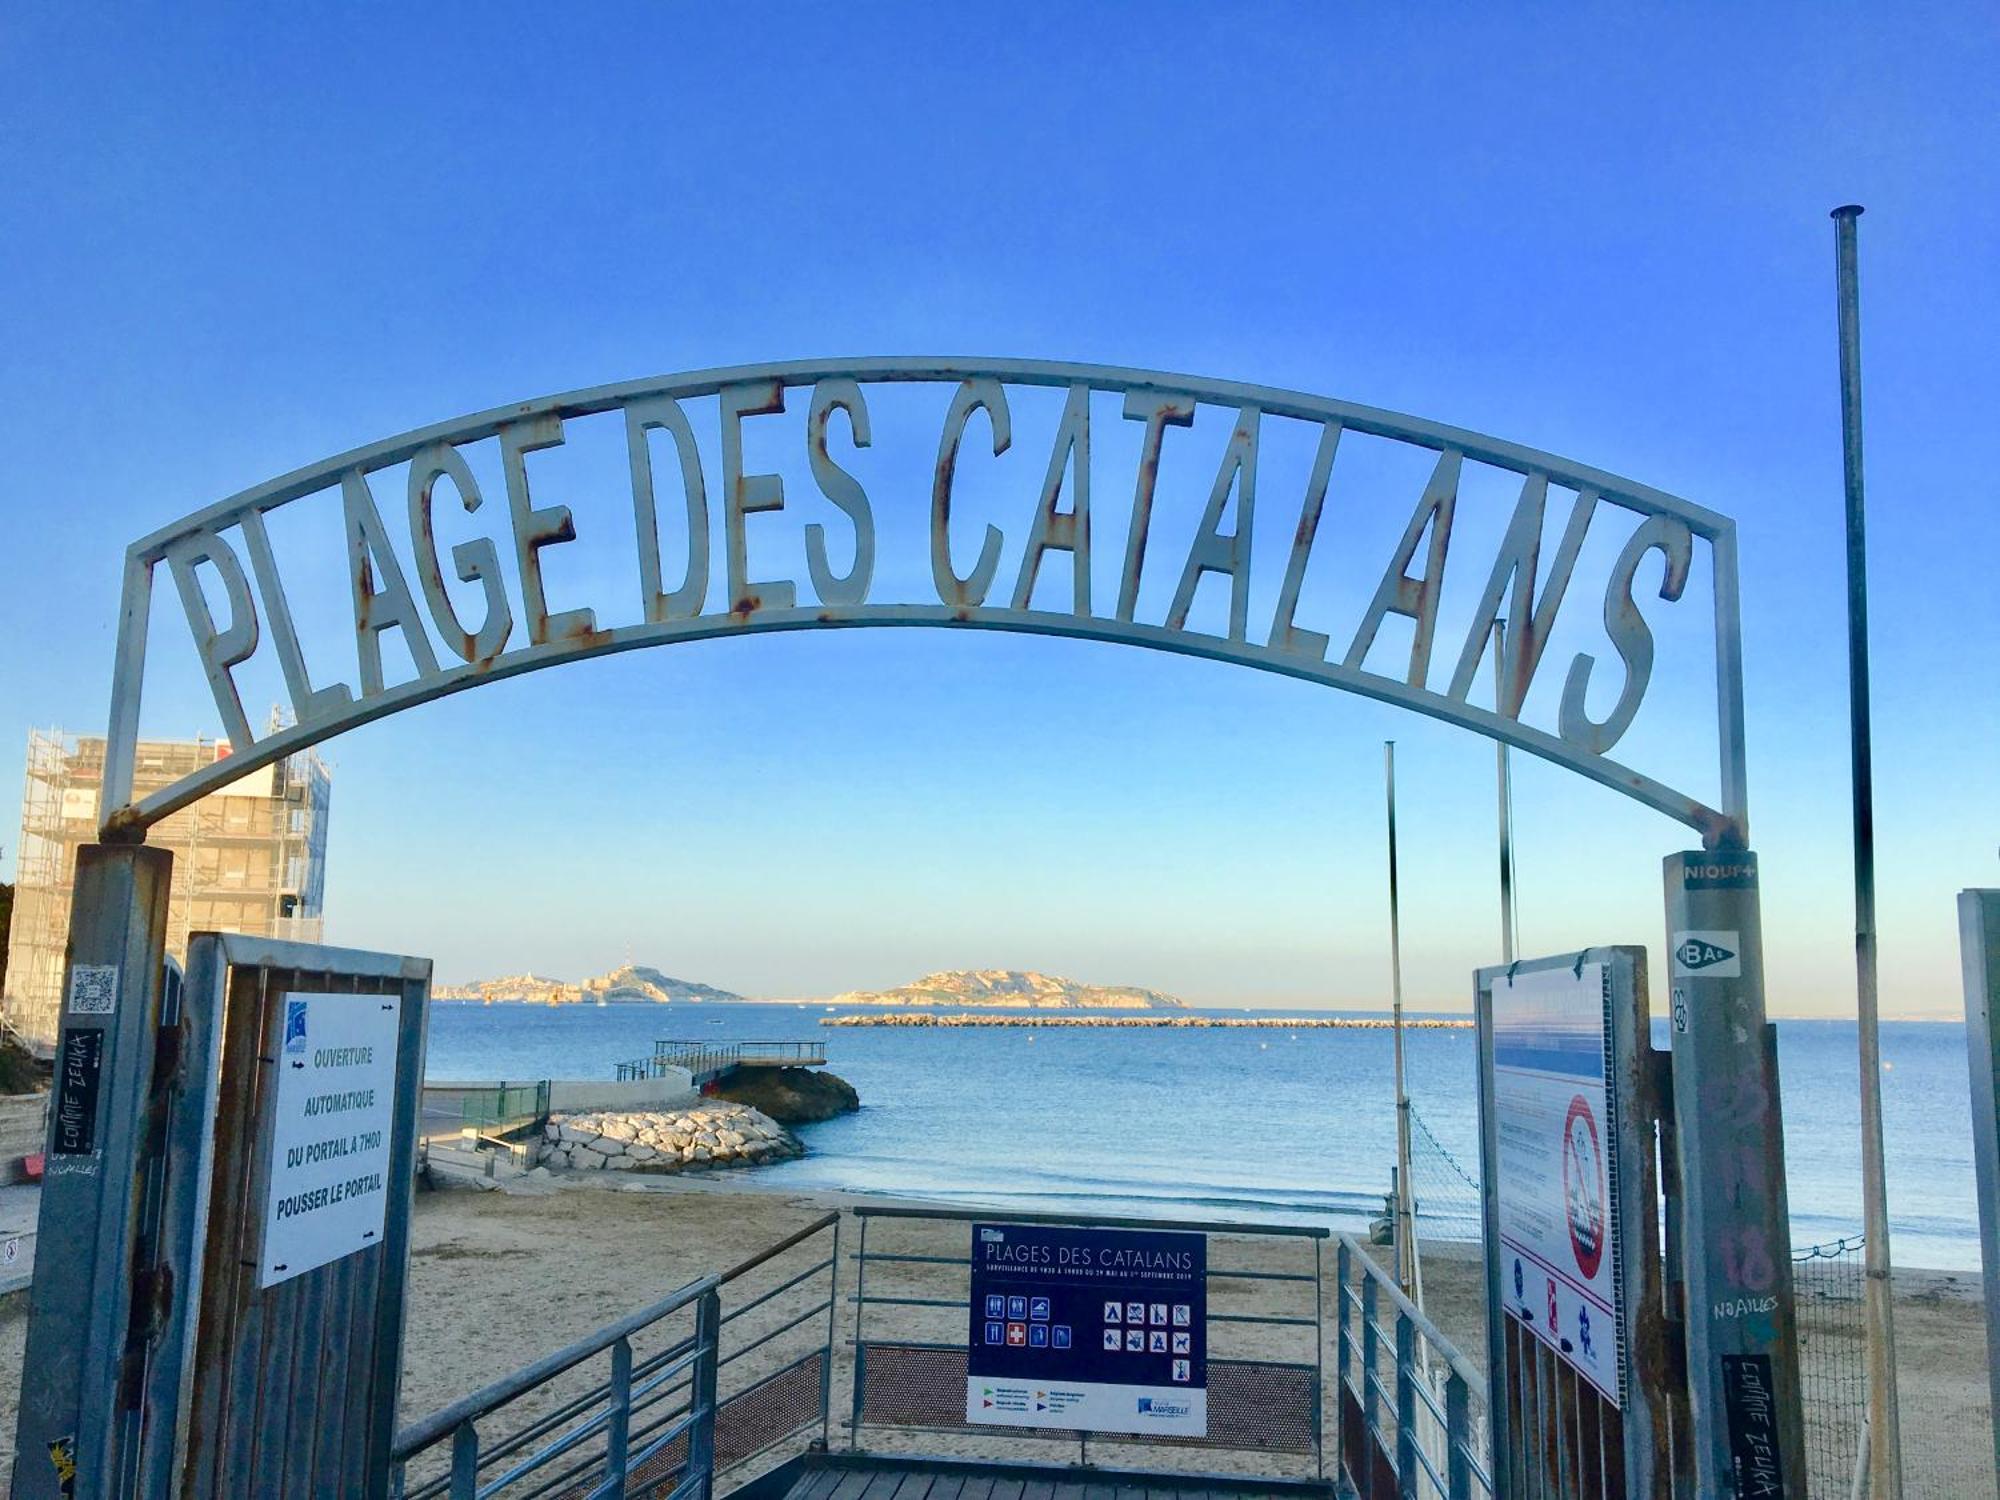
pixel 716 1062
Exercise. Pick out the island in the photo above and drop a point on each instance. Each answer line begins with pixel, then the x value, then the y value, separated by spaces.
pixel 627 984
pixel 1012 989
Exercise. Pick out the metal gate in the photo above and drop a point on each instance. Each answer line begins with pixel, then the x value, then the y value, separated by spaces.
pixel 293 1381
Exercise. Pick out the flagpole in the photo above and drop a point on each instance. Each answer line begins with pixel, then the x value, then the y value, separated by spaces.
pixel 1885 1456
pixel 1406 1271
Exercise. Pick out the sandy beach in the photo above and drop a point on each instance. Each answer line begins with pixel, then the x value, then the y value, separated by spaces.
pixel 498 1279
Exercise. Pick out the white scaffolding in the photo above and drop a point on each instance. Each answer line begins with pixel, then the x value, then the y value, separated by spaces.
pixel 250 857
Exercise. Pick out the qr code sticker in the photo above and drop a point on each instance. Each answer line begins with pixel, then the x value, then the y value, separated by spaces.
pixel 93 989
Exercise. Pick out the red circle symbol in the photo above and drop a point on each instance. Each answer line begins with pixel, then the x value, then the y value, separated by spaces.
pixel 1583 1186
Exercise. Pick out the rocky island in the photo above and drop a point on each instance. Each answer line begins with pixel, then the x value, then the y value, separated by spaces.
pixel 1012 989
pixel 623 985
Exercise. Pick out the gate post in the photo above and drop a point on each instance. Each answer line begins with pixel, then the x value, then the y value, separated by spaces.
pixel 1979 951
pixel 1742 1344
pixel 78 1398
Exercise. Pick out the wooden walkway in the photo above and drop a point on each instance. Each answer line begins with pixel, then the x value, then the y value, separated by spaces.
pixel 866 1480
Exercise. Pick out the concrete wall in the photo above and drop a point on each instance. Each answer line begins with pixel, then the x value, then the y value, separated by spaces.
pixel 23 1129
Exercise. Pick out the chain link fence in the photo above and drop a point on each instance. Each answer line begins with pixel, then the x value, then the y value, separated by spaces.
pixel 1445 1192
pixel 1833 1377
pixel 1947 1450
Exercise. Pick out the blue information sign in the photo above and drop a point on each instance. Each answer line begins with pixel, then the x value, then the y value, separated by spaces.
pixel 1093 1330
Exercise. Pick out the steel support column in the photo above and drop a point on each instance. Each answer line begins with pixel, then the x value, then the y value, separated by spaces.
pixel 1979 951
pixel 1742 1345
pixel 72 1441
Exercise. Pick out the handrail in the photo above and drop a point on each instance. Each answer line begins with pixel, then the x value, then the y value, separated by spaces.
pixel 440 1424
pixel 645 1404
pixel 701 1056
pixel 1389 1415
pixel 825 1221
pixel 1460 1365
pixel 1096 1221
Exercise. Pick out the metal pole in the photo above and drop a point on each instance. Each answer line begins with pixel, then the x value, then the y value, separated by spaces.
pixel 1979 951
pixel 1506 788
pixel 1406 1272
pixel 1885 1460
pixel 85 1349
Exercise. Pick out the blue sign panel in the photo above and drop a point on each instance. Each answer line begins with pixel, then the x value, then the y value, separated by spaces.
pixel 1093 1330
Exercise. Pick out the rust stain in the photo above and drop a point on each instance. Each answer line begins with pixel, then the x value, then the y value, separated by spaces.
pixel 577 633
pixel 124 826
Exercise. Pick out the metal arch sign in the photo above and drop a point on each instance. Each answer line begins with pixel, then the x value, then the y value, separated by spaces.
pixel 226 572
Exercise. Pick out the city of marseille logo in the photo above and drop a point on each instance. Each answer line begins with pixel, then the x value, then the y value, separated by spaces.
pixel 1693 953
pixel 295 1026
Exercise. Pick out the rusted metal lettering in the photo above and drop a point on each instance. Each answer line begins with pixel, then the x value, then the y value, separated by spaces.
pixel 476 561
pixel 970 591
pixel 1415 598
pixel 220 648
pixel 1063 531
pixel 538 527
pixel 1286 635
pixel 844 490
pixel 664 414
pixel 1158 410
pixel 1227 553
pixel 381 595
pixel 1529 617
pixel 227 616
pixel 1629 632
pixel 747 494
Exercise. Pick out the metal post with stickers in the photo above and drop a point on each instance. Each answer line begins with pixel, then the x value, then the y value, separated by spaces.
pixel 1742 1345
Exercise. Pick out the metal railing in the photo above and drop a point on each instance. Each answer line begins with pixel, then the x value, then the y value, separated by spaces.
pixel 1420 1432
pixel 488 1109
pixel 664 1422
pixel 704 1058
pixel 911 1377
pixel 593 1430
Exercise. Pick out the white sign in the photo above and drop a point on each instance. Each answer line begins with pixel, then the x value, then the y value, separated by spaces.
pixel 330 1129
pixel 1708 954
pixel 1555 1195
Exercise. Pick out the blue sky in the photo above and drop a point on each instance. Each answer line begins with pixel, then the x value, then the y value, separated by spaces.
pixel 241 240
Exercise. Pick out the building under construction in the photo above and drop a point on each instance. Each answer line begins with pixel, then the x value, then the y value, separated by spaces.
pixel 248 858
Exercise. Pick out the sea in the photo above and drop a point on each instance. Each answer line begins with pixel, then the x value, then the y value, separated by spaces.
pixel 1271 1125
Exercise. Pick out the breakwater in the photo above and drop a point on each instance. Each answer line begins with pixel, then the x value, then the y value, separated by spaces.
pixel 1169 1023
pixel 707 1134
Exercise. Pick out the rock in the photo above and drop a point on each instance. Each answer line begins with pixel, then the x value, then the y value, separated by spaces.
pixel 712 1134
pixel 791 1096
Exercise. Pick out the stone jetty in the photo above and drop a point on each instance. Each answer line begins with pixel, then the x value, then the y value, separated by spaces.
pixel 1184 1023
pixel 699 1137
